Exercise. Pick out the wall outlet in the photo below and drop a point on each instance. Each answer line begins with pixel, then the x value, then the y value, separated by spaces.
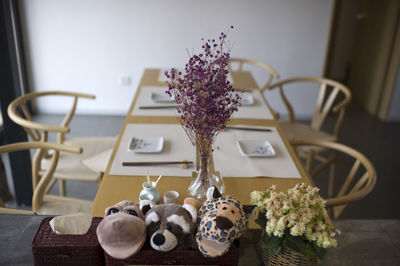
pixel 126 81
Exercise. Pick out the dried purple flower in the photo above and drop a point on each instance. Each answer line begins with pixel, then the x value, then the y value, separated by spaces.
pixel 205 99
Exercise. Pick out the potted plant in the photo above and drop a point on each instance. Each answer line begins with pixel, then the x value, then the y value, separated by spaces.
pixel 296 226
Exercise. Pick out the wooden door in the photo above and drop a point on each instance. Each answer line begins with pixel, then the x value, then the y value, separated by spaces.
pixel 362 50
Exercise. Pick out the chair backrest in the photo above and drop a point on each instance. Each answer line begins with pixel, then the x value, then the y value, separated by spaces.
pixel 360 180
pixel 19 113
pixel 242 62
pixel 328 99
pixel 40 184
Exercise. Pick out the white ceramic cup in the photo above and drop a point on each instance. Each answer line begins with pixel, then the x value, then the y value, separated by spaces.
pixel 171 196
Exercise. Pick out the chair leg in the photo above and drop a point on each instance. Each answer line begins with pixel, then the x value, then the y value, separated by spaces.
pixel 50 185
pixel 62 187
pixel 332 171
pixel 331 212
pixel 4 188
pixel 309 162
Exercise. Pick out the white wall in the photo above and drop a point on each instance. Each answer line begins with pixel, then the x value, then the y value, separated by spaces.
pixel 89 45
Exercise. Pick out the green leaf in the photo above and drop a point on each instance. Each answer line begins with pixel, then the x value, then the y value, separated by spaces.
pixel 271 244
pixel 271 241
pixel 274 250
pixel 319 251
pixel 299 245
pixel 261 219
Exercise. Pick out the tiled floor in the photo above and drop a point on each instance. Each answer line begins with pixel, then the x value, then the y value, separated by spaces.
pixel 376 139
pixel 379 142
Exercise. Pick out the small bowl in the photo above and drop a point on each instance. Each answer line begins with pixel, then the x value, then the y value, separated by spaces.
pixel 171 196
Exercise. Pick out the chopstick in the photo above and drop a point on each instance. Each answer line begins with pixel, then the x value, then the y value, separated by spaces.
pixel 250 129
pixel 154 163
pixel 157 106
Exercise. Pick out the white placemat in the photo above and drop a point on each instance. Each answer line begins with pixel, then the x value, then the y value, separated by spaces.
pixel 144 99
pixel 258 110
pixel 229 161
pixel 177 147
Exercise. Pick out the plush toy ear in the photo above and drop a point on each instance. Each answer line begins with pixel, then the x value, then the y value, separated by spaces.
pixel 249 210
pixel 192 201
pixel 213 193
pixel 146 205
pixel 191 205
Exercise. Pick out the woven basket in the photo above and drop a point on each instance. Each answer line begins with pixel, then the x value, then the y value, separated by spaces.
pixel 286 257
pixel 49 248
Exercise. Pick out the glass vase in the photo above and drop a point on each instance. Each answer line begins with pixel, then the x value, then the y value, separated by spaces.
pixel 205 178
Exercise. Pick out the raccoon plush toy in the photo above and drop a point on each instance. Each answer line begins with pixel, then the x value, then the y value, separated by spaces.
pixel 170 225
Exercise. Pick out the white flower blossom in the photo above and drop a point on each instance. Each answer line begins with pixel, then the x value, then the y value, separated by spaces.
pixel 300 210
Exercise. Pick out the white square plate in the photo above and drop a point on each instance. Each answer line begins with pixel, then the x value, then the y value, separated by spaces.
pixel 146 144
pixel 255 148
pixel 247 99
pixel 162 97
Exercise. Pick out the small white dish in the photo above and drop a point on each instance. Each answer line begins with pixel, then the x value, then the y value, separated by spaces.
pixel 146 144
pixel 162 97
pixel 247 99
pixel 255 148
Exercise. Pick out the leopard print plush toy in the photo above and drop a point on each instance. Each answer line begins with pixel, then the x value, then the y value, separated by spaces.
pixel 221 220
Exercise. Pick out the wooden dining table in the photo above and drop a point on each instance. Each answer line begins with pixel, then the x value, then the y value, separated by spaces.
pixel 116 187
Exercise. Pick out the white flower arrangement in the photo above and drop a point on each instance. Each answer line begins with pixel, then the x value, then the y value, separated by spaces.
pixel 296 220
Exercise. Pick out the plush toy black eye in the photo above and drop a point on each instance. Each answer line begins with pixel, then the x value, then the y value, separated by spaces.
pixel 224 208
pixel 132 212
pixel 169 227
pixel 232 211
pixel 112 211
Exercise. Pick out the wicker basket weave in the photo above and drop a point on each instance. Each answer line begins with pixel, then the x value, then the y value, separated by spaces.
pixel 149 256
pixel 49 248
pixel 286 257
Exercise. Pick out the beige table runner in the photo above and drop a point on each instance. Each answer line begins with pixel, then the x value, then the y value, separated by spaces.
pixel 258 110
pixel 177 147
pixel 229 161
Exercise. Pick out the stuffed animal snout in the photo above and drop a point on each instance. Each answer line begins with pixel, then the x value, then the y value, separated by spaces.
pixel 163 240
pixel 122 232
